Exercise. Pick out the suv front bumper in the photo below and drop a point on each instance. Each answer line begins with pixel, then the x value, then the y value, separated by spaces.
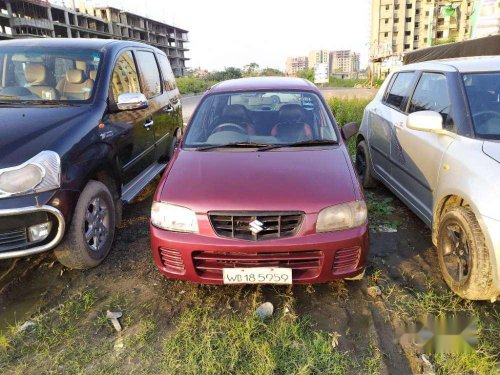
pixel 14 237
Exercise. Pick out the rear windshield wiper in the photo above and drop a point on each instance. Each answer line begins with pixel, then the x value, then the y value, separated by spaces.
pixel 233 145
pixel 312 142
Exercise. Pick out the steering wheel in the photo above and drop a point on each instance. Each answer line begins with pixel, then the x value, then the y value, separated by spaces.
pixel 239 128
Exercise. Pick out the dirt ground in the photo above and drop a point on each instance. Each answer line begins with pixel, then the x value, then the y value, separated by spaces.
pixel 402 264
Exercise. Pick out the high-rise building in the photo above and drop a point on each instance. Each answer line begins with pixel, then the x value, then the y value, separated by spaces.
pixel 296 64
pixel 43 19
pixel 400 26
pixel 321 56
pixel 344 63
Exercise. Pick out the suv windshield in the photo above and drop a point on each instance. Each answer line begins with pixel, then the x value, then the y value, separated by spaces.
pixel 260 119
pixel 47 75
pixel 483 92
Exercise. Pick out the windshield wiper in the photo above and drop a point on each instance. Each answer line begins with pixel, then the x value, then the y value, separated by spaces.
pixel 312 142
pixel 32 102
pixel 233 145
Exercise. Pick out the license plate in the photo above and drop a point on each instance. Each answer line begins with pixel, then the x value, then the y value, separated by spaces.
pixel 260 275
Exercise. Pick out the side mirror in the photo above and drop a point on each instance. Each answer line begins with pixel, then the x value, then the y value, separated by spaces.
pixel 426 121
pixel 131 101
pixel 349 130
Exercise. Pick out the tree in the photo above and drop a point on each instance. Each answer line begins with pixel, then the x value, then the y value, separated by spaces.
pixel 251 70
pixel 271 72
pixel 227 73
pixel 307 74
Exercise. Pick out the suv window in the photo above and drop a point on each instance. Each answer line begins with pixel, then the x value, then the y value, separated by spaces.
pixel 149 73
pixel 168 75
pixel 61 66
pixel 431 94
pixel 125 78
pixel 399 90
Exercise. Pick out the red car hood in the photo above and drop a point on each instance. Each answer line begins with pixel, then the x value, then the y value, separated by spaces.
pixel 296 180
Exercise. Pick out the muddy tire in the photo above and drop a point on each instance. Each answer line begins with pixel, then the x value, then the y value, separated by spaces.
pixel 90 236
pixel 364 166
pixel 463 256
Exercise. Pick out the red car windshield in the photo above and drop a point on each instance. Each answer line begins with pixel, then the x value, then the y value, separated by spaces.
pixel 260 118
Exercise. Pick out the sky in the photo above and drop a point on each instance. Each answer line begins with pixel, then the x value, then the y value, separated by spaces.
pixel 225 33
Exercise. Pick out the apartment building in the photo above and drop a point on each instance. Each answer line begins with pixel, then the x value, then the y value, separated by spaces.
pixel 400 26
pixel 43 19
pixel 296 64
pixel 321 56
pixel 344 64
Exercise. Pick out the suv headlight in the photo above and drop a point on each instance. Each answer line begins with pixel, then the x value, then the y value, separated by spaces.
pixel 342 216
pixel 175 218
pixel 40 173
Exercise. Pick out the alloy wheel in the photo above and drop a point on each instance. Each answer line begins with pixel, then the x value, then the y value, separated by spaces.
pixel 456 252
pixel 361 164
pixel 96 224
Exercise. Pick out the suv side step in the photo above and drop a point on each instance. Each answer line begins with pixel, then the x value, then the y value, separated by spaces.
pixel 134 187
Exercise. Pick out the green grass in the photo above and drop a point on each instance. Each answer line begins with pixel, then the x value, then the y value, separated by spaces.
pixel 241 343
pixel 380 210
pixel 193 85
pixel 485 358
pixel 346 111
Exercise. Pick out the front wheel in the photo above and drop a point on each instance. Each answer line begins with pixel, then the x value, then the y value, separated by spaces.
pixel 364 166
pixel 463 256
pixel 92 229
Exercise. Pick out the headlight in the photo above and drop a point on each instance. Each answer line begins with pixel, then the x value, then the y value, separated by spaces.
pixel 174 218
pixel 40 173
pixel 342 216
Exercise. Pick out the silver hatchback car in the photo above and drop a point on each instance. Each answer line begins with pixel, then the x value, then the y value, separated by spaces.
pixel 432 136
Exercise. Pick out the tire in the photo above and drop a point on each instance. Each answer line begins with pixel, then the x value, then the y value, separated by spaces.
pixel 85 245
pixel 364 166
pixel 463 256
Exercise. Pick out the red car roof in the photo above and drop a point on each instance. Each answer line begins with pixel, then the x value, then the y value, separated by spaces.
pixel 264 83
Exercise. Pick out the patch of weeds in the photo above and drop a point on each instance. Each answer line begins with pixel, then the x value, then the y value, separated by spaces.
pixel 485 358
pixel 56 341
pixel 4 343
pixel 208 342
pixel 380 210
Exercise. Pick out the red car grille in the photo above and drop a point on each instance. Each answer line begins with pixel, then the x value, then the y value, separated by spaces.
pixel 304 264
pixel 172 260
pixel 271 224
pixel 346 260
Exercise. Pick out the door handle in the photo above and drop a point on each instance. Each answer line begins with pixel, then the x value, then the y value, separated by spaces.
pixel 149 123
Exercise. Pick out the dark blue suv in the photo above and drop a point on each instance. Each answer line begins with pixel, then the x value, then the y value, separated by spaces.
pixel 85 125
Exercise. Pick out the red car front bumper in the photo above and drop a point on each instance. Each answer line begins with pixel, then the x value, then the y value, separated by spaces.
pixel 314 258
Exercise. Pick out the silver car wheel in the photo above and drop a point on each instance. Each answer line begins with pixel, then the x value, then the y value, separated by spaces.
pixel 456 253
pixel 96 224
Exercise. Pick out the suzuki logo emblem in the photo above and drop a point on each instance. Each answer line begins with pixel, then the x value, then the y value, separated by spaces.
pixel 256 226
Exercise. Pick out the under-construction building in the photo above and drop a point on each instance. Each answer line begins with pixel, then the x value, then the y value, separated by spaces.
pixel 40 18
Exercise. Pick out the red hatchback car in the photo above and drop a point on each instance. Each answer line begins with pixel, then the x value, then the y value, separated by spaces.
pixel 261 190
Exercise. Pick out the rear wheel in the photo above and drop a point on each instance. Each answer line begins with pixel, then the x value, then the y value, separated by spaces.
pixel 463 256
pixel 364 166
pixel 92 229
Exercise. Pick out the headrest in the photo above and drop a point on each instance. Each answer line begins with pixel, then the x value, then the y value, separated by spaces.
pixel 35 73
pixel 93 74
pixel 74 76
pixel 82 65
pixel 236 110
pixel 292 113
